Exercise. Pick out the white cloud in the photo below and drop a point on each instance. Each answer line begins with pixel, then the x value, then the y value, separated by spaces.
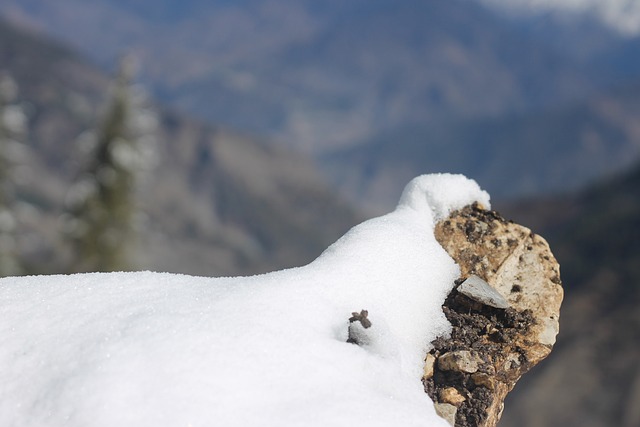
pixel 621 15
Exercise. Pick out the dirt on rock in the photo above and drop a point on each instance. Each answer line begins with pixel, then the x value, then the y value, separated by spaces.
pixel 471 371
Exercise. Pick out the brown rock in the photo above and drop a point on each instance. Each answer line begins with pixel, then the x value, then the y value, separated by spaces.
pixel 483 380
pixel 428 366
pixel 461 361
pixel 490 348
pixel 451 395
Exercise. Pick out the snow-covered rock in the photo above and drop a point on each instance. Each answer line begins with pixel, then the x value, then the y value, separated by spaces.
pixel 157 349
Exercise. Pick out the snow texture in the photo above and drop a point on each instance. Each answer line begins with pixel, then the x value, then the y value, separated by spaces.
pixel 158 349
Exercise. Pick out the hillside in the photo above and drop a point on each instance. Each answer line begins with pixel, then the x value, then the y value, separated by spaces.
pixel 379 91
pixel 600 37
pixel 571 145
pixel 217 203
pixel 319 76
pixel 592 377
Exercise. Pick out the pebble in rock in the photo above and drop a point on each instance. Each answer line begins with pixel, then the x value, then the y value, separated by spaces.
pixel 452 396
pixel 461 361
pixel 429 363
pixel 479 290
pixel 447 411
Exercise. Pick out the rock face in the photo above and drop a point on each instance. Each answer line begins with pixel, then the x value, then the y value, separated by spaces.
pixel 504 311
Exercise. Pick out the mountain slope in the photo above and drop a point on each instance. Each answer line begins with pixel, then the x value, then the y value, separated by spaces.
pixel 217 203
pixel 512 157
pixel 319 75
pixel 382 90
pixel 592 376
pixel 601 37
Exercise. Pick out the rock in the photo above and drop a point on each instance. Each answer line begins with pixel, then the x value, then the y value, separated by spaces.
pixel 451 395
pixel 480 291
pixel 483 380
pixel 429 366
pixel 461 361
pixel 447 411
pixel 504 315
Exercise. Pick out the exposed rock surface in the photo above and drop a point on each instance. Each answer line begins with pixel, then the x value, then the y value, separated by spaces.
pixel 504 311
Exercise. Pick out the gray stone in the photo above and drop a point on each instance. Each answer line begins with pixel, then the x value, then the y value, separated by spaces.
pixel 461 361
pixel 446 411
pixel 479 290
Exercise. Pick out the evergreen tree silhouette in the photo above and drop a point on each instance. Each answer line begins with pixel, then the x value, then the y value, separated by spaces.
pixel 103 202
pixel 12 128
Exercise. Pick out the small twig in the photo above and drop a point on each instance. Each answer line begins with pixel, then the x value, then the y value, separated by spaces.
pixel 362 318
pixel 356 334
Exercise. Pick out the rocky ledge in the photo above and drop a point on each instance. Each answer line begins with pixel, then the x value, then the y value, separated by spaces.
pixel 504 311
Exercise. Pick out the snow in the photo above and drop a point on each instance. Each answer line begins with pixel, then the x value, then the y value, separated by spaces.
pixel 159 349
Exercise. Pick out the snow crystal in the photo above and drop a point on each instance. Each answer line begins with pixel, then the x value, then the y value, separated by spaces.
pixel 132 349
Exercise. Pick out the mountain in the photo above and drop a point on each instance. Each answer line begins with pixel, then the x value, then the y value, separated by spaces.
pixel 600 37
pixel 572 145
pixel 558 148
pixel 319 75
pixel 217 203
pixel 379 91
pixel 622 16
pixel 592 376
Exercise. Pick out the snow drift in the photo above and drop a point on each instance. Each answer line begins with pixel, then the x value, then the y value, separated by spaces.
pixel 158 349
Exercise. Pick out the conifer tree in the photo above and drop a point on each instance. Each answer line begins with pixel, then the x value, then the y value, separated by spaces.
pixel 12 128
pixel 103 204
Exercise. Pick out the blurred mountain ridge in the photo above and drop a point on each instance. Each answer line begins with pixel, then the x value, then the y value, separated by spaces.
pixel 547 152
pixel 218 203
pixel 429 85
pixel 319 76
